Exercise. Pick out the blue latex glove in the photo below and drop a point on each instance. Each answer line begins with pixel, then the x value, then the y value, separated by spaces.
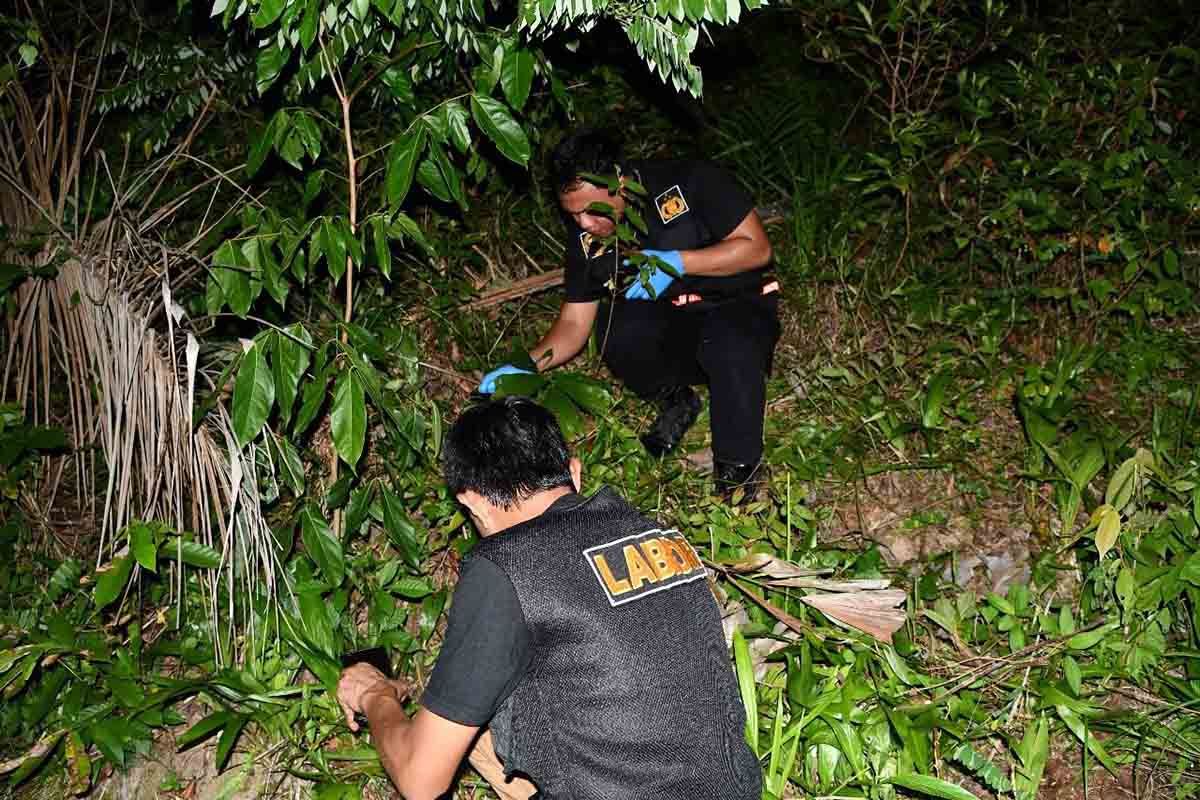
pixel 660 279
pixel 488 384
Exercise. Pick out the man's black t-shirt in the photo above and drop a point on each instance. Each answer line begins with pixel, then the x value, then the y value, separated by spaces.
pixel 487 648
pixel 688 205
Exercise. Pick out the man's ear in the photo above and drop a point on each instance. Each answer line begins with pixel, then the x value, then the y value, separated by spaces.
pixel 576 467
pixel 475 504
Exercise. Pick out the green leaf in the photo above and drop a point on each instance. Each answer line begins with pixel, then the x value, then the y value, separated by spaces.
pixel 1079 728
pixel 260 148
pixel 270 62
pixel 400 530
pixel 429 176
pixel 1122 484
pixel 231 272
pixel 253 395
pixel 457 127
pixel 65 579
pixel 229 737
pixel 311 400
pixel 412 588
pixel 191 553
pixel 589 394
pixel 321 545
pixel 268 12
pixel 289 359
pixel 291 468
pixel 111 582
pixel 383 247
pixel 142 545
pixel 334 248
pixel 564 410
pixel 499 126
pixel 934 787
pixel 744 668
pixel 79 766
pixel 516 76
pixel 1108 530
pixel 203 729
pixel 348 417
pixel 935 398
pixel 1089 639
pixel 1073 674
pixel 402 161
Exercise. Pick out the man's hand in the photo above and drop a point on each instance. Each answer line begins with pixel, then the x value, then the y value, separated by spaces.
pixel 359 682
pixel 660 279
pixel 488 384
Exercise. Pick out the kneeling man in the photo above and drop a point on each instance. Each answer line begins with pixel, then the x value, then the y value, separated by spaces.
pixel 582 634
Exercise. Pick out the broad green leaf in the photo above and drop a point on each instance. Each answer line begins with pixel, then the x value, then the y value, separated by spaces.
pixel 232 274
pixel 64 579
pixel 203 729
pixel 383 247
pixel 564 411
pixel 1108 530
pixel 499 126
pixel 253 395
pixel 348 417
pixel 317 616
pixel 411 588
pixel 111 583
pixel 142 545
pixel 268 12
pixel 270 62
pixel 260 148
pixel 402 162
pixel 1073 674
pixel 311 400
pixel 1088 466
pixel 429 176
pixel 229 736
pixel 191 553
pixel 1122 484
pixel 322 546
pixel 291 468
pixel 1079 728
pixel 590 395
pixel 457 125
pixel 289 359
pixel 334 246
pixel 400 530
pixel 1088 639
pixel 516 76
pixel 934 787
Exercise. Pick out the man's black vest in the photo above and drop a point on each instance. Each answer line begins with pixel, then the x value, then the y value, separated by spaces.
pixel 629 693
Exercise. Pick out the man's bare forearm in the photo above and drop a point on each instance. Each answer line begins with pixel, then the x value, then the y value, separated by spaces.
pixel 391 731
pixel 728 257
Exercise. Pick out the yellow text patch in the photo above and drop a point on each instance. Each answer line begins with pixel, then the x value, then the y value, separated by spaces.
pixel 635 566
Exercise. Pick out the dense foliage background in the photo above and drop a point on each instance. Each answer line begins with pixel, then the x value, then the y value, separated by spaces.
pixel 254 255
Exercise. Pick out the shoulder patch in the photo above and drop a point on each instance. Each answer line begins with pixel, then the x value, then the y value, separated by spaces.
pixel 591 246
pixel 671 204
pixel 635 566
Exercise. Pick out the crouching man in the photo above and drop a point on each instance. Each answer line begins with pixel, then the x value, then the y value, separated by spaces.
pixel 582 634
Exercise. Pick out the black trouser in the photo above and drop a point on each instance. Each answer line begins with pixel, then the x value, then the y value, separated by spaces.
pixel 654 346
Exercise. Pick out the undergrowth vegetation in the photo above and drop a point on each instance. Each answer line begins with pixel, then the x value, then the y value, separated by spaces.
pixel 985 223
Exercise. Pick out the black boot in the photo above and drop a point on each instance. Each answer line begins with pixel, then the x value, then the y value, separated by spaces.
pixel 677 411
pixel 731 476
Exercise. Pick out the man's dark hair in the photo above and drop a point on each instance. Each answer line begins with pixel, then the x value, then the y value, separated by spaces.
pixel 583 152
pixel 506 450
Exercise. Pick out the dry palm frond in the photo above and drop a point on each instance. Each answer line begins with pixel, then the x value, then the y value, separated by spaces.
pixel 101 349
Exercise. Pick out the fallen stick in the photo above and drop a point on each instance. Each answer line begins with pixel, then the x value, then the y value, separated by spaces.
pixel 531 285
